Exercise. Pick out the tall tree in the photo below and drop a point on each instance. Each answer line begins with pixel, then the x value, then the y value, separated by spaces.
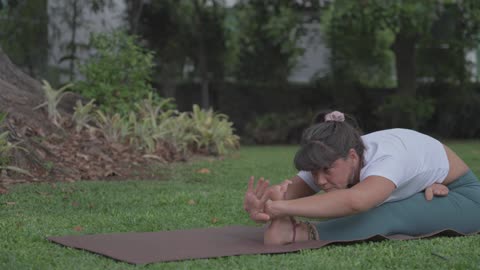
pixel 209 49
pixel 74 15
pixel 134 13
pixel 186 34
pixel 23 34
pixel 264 39
pixel 409 22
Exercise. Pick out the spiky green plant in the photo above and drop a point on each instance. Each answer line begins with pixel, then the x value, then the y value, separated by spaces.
pixel 142 132
pixel 223 138
pixel 83 114
pixel 114 128
pixel 143 129
pixel 6 148
pixel 151 108
pixel 178 130
pixel 52 98
pixel 214 131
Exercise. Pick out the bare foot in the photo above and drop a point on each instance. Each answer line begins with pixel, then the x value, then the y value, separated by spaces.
pixel 280 232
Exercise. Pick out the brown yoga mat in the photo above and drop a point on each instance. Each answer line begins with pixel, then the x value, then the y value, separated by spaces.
pixel 149 247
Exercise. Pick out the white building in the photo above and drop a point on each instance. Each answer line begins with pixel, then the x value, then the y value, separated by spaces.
pixel 313 62
pixel 60 30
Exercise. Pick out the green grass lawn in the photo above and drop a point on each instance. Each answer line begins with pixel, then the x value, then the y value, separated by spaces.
pixel 29 213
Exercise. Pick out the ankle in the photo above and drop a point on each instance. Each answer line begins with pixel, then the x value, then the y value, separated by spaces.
pixel 281 231
pixel 302 232
pixel 278 232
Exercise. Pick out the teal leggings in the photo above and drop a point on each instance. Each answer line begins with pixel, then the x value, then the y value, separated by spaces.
pixel 460 211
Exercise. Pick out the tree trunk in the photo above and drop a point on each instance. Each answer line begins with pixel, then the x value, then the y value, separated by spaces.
pixel 405 63
pixel 19 94
pixel 205 95
pixel 202 58
pixel 134 9
pixel 169 85
pixel 73 41
pixel 169 88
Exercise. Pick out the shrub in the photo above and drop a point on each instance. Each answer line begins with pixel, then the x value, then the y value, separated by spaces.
pixel 52 98
pixel 178 131
pixel 274 128
pixel 154 122
pixel 118 74
pixel 114 127
pixel 146 119
pixel 82 114
pixel 5 145
pixel 457 114
pixel 214 131
pixel 199 131
pixel 405 111
pixel 6 149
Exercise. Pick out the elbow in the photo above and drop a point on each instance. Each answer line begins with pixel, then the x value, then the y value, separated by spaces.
pixel 359 204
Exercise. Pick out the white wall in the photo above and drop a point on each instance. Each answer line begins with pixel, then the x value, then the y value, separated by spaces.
pixel 315 60
pixel 59 32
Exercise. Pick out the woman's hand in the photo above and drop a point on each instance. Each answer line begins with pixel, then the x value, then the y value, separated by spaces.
pixel 275 193
pixel 436 190
pixel 255 199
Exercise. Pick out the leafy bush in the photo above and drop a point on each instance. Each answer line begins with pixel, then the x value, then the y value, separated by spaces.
pixel 155 122
pixel 199 131
pixel 82 114
pixel 405 111
pixel 6 149
pixel 114 127
pixel 457 114
pixel 118 74
pixel 52 98
pixel 178 131
pixel 274 128
pixel 213 130
pixel 5 145
pixel 142 132
pixel 148 120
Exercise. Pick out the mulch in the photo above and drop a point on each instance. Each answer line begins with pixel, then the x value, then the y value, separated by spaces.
pixel 70 156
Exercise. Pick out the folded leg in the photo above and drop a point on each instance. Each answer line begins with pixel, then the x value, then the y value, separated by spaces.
pixel 413 216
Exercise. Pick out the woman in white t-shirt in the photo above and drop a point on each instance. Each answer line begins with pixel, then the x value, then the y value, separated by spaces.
pixel 380 183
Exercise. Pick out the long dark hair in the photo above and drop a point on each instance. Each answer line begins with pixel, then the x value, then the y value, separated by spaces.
pixel 326 141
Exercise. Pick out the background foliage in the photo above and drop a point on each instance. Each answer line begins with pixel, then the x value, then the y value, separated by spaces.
pixel 119 72
pixel 391 63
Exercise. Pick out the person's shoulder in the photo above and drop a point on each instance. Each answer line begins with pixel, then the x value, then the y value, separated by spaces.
pixel 391 133
pixel 386 143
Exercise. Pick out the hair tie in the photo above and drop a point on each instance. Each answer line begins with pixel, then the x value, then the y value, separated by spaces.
pixel 335 116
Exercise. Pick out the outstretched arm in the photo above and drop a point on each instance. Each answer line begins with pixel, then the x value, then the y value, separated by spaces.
pixel 363 196
pixel 256 195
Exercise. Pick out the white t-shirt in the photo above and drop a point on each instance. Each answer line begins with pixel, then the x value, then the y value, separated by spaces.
pixel 411 160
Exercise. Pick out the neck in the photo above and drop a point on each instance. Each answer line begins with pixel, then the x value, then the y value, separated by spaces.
pixel 356 174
